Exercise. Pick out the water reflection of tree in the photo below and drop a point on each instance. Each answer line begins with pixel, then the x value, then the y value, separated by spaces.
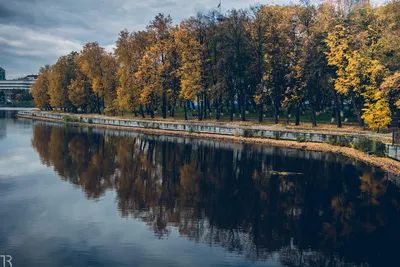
pixel 309 212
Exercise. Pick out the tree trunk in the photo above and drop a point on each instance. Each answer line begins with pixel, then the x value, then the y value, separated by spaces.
pixel 141 111
pixel 276 114
pixel 260 112
pixel 337 110
pixel 298 114
pixel 199 111
pixel 313 117
pixel 232 108
pixel 185 109
pixel 217 109
pixel 243 106
pixel 205 106
pixel 164 105
pixel 358 112
pixel 289 111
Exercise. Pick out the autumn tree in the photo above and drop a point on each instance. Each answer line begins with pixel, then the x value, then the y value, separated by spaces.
pixel 391 90
pixel 236 50
pixel 170 70
pixel 190 71
pixel 276 59
pixel 159 29
pixel 100 68
pixel 60 78
pixel 255 29
pixel 359 69
pixel 130 50
pixel 109 69
pixel 80 92
pixel 377 114
pixel 40 89
pixel 148 76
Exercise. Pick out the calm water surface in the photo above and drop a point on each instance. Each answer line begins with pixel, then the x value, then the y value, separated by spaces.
pixel 93 197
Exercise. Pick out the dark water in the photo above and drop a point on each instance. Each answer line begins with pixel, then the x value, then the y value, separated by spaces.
pixel 92 197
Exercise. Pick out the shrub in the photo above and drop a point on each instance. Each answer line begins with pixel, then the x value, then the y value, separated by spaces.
pixel 338 141
pixel 301 139
pixel 90 120
pixel 343 141
pixel 332 140
pixel 277 135
pixel 247 133
pixel 379 149
pixel 364 144
pixel 110 111
pixel 190 130
pixel 68 118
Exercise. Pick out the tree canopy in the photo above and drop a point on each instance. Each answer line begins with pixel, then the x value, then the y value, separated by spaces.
pixel 268 59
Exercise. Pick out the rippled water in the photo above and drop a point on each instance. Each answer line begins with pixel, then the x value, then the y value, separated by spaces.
pixel 73 196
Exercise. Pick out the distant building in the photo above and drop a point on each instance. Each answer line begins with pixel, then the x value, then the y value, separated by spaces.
pixel 8 87
pixel 2 74
pixel 31 77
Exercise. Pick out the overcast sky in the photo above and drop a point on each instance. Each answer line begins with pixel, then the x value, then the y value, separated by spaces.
pixel 36 32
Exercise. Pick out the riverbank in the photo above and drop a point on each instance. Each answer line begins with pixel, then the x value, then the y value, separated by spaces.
pixel 301 139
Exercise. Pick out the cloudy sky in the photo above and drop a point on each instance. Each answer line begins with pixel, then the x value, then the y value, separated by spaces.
pixel 36 32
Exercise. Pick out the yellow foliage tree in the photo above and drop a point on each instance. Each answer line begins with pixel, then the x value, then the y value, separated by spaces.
pixel 40 88
pixel 130 50
pixel 358 75
pixel 57 84
pixel 79 91
pixel 391 88
pixel 100 68
pixel 377 115
pixel 60 77
pixel 190 71
pixel 149 78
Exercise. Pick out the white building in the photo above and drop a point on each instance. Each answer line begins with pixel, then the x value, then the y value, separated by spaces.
pixel 8 87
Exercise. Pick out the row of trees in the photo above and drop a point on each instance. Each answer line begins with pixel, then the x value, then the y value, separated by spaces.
pixel 266 58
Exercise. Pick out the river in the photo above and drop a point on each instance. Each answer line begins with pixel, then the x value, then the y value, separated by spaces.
pixel 78 196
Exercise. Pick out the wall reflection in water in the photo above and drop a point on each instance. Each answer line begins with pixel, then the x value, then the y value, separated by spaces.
pixel 308 209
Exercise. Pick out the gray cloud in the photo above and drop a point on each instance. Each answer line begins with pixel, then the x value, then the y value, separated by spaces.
pixel 6 13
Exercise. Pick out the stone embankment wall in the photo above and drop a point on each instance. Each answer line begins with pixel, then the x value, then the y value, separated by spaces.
pixel 393 152
pixel 210 128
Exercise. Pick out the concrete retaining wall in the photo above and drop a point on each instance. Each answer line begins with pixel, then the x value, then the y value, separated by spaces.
pixel 392 151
